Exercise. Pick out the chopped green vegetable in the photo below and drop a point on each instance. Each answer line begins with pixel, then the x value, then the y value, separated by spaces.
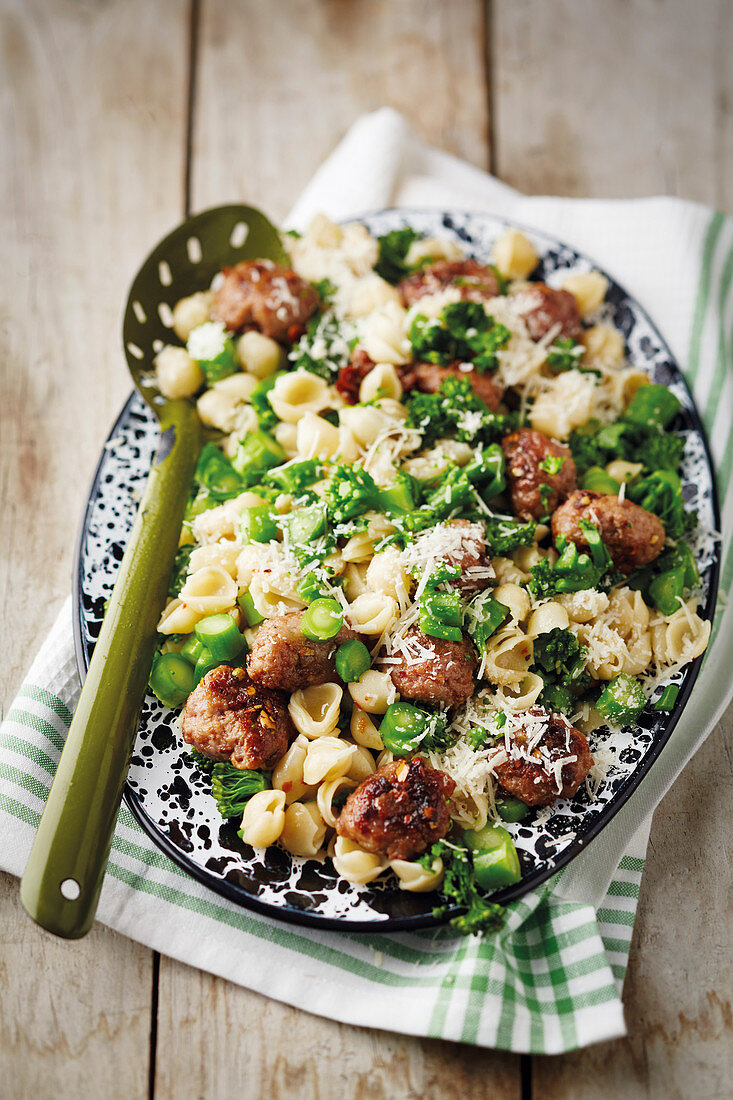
pixel 484 616
pixel 652 404
pixel 257 524
pixel 441 614
pixel 303 525
pixel 512 810
pixel 393 248
pixel 574 570
pixel 402 728
pixel 463 332
pixel 495 859
pixel 171 679
pixel 256 454
pixel 622 700
pixel 661 493
pixel 221 636
pixel 400 496
pixel 565 354
pixel 459 885
pixel 233 787
pixel 260 402
pixel 351 492
pixel 294 476
pixel 324 348
pixel 559 658
pixel 352 660
pixel 322 620
pixel 597 480
pixel 666 701
pixel 551 464
pixel 192 649
pixel 215 474
pixel 205 663
pixel 252 616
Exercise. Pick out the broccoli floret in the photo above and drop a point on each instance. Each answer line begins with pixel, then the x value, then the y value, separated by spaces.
pixel 351 492
pixel 447 412
pixel 559 658
pixel 504 535
pixel 233 787
pixel 463 331
pixel 460 886
pixel 574 570
pixel 334 348
pixel 661 493
pixel 393 248
pixel 565 354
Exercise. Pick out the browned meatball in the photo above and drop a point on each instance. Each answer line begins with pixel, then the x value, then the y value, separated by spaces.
pixel 264 295
pixel 427 377
pixel 535 783
pixel 351 376
pixel 470 557
pixel 475 281
pixel 525 452
pixel 227 717
pixel 436 671
pixel 282 657
pixel 633 536
pixel 400 810
pixel 542 308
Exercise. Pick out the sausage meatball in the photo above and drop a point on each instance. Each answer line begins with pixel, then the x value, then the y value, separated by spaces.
pixel 535 781
pixel 282 657
pixel 400 810
pixel 475 281
pixel 436 671
pixel 525 452
pixel 470 557
pixel 352 375
pixel 427 377
pixel 228 717
pixel 633 536
pixel 264 295
pixel 542 308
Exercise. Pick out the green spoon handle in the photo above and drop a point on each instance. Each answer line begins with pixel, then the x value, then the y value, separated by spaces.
pixel 62 881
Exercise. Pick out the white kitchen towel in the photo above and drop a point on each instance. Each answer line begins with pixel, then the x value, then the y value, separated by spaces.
pixel 550 981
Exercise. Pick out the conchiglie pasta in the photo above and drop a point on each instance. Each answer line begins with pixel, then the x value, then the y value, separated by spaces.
pixel 522 695
pixel 287 775
pixel 315 710
pixel 364 731
pixel 515 598
pixel 178 374
pixel 210 590
pixel 415 877
pixel 327 758
pixel 514 255
pixel 372 613
pixel 297 393
pixel 383 334
pixel 362 764
pixel 548 616
pixel 263 819
pixel 354 864
pixel 683 638
pixel 507 572
pixel 177 618
pixel 368 294
pixel 223 553
pixel 604 345
pixel 588 289
pixel 386 574
pixel 565 404
pixel 373 692
pixel 304 830
pixel 331 796
pixel 508 656
pixel 189 313
pixel 259 354
pixel 622 471
pixel 316 438
pixel 354 580
pixel 382 381
pixel 287 437
pixel 432 249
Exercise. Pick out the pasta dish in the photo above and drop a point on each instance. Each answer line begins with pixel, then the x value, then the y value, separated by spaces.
pixel 435 548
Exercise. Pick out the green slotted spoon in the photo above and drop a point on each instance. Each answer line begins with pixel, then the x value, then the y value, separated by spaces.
pixel 63 878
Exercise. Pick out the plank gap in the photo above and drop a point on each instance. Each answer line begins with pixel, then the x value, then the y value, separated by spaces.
pixel 153 1025
pixel 193 52
pixel 490 84
pixel 525 1076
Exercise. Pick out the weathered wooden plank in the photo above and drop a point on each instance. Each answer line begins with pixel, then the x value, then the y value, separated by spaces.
pixel 276 90
pixel 278 86
pixel 216 1039
pixel 628 97
pixel 92 120
pixel 678 990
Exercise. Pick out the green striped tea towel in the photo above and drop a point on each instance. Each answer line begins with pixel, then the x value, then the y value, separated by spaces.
pixel 551 980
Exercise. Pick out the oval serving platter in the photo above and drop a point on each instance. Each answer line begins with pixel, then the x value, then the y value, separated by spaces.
pixel 168 793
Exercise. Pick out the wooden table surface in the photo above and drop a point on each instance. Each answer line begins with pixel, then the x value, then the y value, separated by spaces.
pixel 116 116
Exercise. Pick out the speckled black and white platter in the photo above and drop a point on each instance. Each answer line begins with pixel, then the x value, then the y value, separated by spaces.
pixel 167 792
